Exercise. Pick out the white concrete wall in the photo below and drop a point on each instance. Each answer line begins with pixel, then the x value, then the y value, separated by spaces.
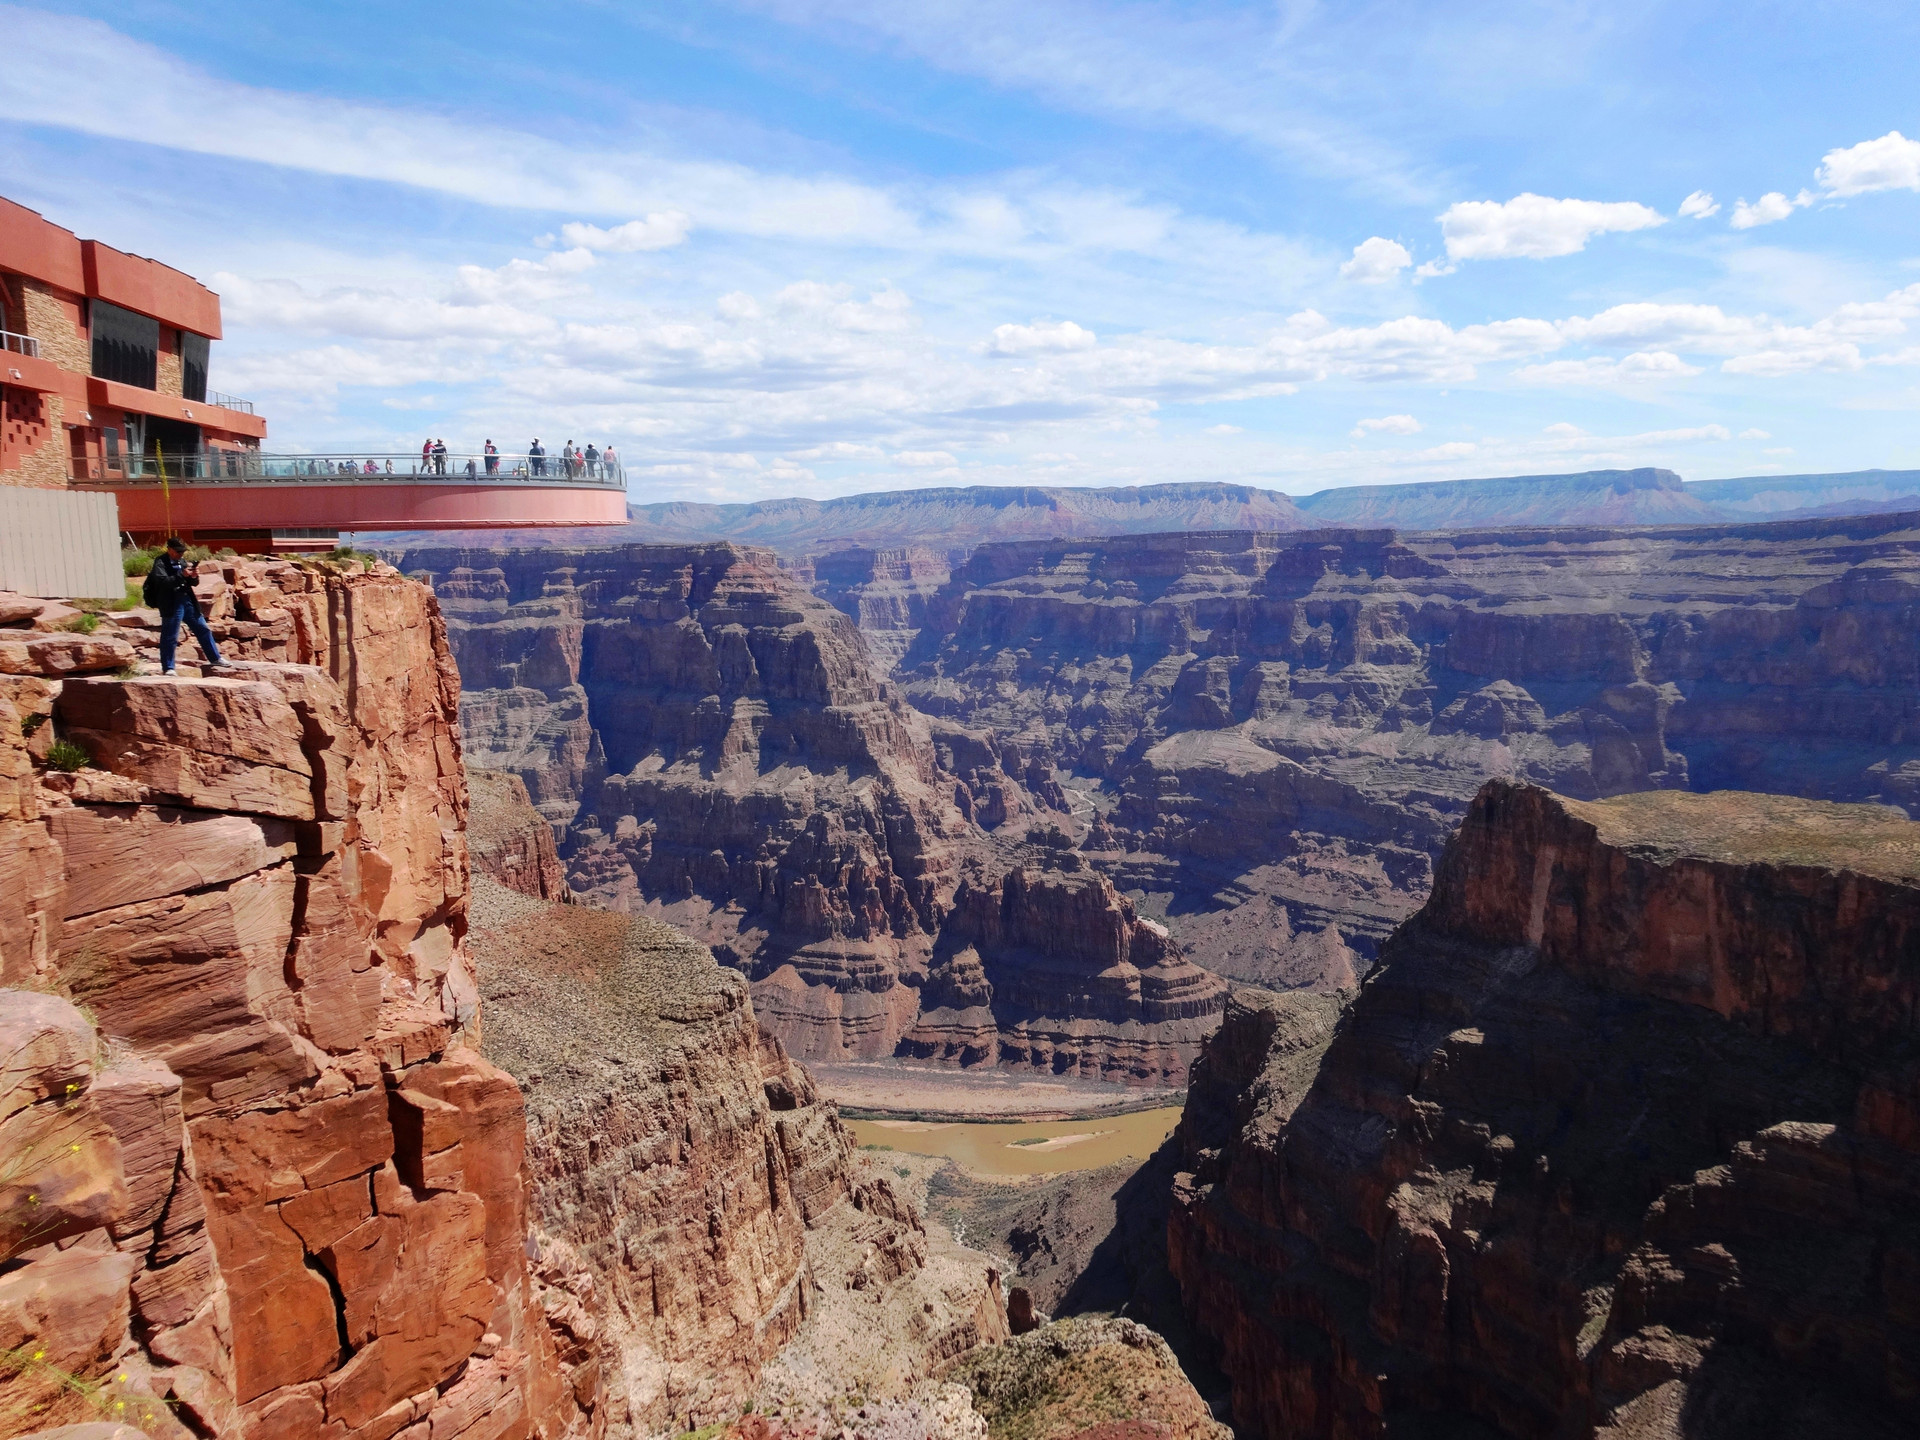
pixel 60 543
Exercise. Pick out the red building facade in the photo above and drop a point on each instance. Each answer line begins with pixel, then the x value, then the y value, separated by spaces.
pixel 104 360
pixel 103 356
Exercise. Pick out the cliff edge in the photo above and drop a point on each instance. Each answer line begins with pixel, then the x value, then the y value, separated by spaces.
pixel 1622 1139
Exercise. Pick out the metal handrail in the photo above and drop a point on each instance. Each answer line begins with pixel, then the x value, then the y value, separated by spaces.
pixel 229 402
pixel 250 467
pixel 20 344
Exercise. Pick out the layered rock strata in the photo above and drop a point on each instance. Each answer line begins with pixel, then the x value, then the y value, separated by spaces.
pixel 511 842
pixel 1622 1139
pixel 260 1185
pixel 718 753
pixel 684 1161
pixel 1272 735
pixel 1054 971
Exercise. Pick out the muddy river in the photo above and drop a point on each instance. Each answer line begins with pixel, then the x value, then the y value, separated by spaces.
pixel 1042 1147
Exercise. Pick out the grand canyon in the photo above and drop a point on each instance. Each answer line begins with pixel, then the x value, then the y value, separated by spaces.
pixel 428 1024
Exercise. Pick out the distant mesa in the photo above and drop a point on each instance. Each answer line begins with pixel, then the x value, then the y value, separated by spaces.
pixel 954 520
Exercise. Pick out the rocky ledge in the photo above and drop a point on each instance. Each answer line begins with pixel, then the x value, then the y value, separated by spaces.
pixel 1622 1139
pixel 256 1181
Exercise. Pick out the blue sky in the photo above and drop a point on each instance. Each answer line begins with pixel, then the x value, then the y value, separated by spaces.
pixel 780 247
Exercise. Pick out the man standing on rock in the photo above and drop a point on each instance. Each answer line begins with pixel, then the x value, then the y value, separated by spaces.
pixel 170 590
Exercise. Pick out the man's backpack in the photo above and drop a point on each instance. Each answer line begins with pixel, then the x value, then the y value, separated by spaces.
pixel 154 591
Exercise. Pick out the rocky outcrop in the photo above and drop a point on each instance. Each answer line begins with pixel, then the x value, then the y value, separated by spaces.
pixel 1272 735
pixel 261 1185
pixel 884 592
pixel 690 1167
pixel 1622 1139
pixel 675 1151
pixel 1087 1379
pixel 718 753
pixel 1054 971
pixel 509 841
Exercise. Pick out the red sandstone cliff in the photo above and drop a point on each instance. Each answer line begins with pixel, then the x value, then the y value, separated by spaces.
pixel 1622 1139
pixel 259 1185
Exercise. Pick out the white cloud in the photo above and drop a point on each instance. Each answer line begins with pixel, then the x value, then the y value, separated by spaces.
pixel 924 459
pixel 1376 261
pixel 1563 430
pixel 1641 367
pixel 1890 163
pixel 1535 227
pixel 1387 425
pixel 1755 435
pixel 1771 207
pixel 1698 206
pixel 1042 337
pixel 1225 429
pixel 737 305
pixel 660 231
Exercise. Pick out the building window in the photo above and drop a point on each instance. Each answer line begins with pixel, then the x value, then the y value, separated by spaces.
pixel 193 366
pixel 126 346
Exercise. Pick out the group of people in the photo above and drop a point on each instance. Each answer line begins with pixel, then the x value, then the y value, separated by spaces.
pixel 588 460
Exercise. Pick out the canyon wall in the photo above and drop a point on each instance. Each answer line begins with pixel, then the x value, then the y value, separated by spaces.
pixel 1270 736
pixel 257 1181
pixel 684 1164
pixel 1621 1139
pixel 716 750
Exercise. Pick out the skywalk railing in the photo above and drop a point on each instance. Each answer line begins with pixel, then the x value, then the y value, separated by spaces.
pixel 250 467
pixel 229 402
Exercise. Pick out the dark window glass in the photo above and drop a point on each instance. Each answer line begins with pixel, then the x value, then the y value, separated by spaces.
pixel 126 346
pixel 193 365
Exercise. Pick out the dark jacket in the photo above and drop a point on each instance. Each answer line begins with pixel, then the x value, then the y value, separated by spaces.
pixel 169 583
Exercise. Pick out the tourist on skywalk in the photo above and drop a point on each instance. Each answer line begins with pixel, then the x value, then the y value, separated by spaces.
pixel 493 458
pixel 537 458
pixel 611 462
pixel 593 462
pixel 439 457
pixel 426 456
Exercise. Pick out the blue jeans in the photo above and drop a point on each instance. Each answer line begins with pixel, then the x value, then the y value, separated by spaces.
pixel 170 619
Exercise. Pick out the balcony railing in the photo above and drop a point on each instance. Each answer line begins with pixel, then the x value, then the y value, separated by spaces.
pixel 250 467
pixel 229 402
pixel 20 344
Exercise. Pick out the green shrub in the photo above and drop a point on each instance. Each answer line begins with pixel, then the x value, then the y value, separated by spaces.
pixel 197 553
pixel 139 562
pixel 65 755
pixel 81 624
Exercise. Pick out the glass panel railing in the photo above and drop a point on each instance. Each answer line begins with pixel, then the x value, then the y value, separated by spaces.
pixel 453 468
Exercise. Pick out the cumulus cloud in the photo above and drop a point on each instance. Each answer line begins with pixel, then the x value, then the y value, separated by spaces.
pixel 660 231
pixel 1042 337
pixel 1376 261
pixel 1536 227
pixel 1767 209
pixel 1698 206
pixel 1890 163
pixel 1641 367
pixel 1224 429
pixel 1387 425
